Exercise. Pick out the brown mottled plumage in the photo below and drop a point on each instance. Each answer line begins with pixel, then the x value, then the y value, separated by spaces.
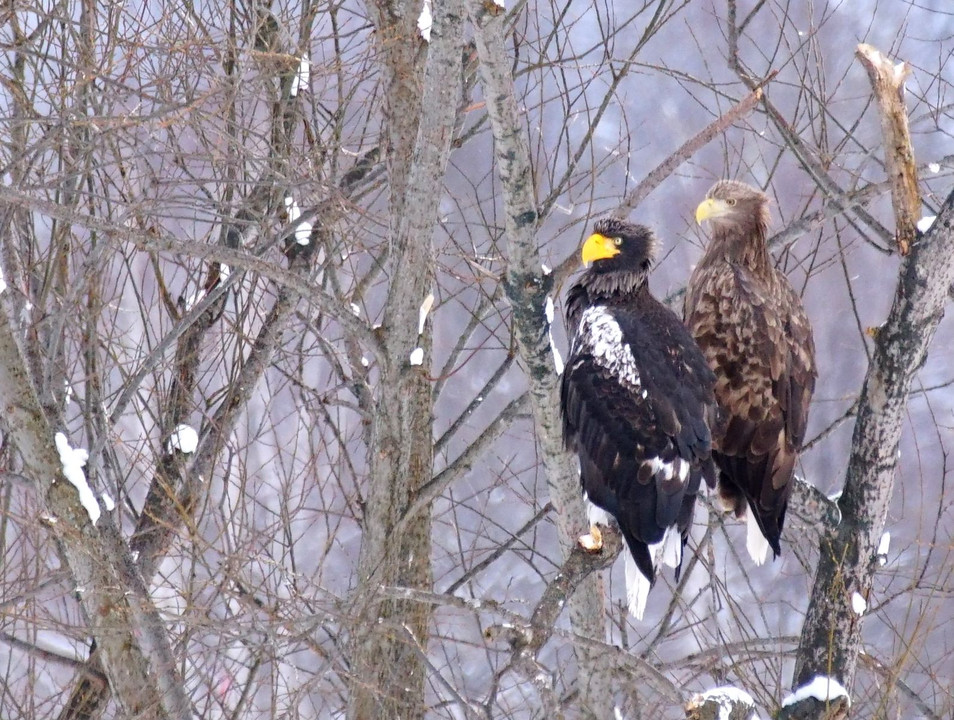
pixel 755 335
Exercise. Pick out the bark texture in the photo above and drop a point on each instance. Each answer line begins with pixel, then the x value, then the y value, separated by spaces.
pixel 387 662
pixel 130 636
pixel 528 288
pixel 832 635
pixel 887 80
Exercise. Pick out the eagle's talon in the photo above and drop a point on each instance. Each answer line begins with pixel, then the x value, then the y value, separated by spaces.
pixel 593 542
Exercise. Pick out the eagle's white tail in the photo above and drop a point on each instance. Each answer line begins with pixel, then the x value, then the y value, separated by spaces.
pixel 755 541
pixel 637 587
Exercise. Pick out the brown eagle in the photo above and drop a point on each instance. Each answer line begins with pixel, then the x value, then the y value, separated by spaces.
pixel 636 397
pixel 752 329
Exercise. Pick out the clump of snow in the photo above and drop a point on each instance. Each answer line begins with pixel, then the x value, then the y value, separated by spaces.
pixel 302 77
pixel 3 282
pixel 417 356
pixel 546 269
pixel 548 309
pixel 557 357
pixel 74 460
pixel 934 167
pixel 726 697
pixel 364 361
pixel 883 546
pixel 858 603
pixel 821 687
pixel 422 313
pixel 108 502
pixel 500 3
pixel 303 230
pixel 925 223
pixel 184 439
pixel 424 21
pixel 548 313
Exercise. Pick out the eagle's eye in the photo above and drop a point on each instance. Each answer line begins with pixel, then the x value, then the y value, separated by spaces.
pixel 730 202
pixel 617 241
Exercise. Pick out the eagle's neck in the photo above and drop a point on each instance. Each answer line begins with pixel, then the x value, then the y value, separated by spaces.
pixel 606 288
pixel 613 287
pixel 742 245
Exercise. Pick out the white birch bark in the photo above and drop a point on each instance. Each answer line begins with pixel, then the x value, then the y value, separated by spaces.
pixel 528 288
pixel 831 637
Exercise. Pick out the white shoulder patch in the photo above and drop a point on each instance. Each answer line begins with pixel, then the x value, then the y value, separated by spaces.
pixel 602 337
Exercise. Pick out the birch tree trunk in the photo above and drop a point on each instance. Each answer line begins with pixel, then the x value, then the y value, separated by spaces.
pixel 528 290
pixel 831 638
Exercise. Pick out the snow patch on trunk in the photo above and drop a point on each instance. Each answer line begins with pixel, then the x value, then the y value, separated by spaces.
pixel 74 460
pixel 821 687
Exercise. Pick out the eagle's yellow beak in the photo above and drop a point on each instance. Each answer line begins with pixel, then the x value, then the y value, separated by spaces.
pixel 598 247
pixel 710 208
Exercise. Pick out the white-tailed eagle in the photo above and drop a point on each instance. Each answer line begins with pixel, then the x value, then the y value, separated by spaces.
pixel 755 335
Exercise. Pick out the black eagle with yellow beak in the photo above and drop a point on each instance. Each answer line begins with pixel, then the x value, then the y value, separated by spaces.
pixel 637 401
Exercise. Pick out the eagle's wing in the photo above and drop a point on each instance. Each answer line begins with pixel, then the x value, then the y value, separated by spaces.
pixel 756 336
pixel 634 401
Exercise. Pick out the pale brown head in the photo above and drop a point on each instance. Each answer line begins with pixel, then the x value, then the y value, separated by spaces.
pixel 733 205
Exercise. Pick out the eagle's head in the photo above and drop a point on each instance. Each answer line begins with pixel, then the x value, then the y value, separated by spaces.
pixel 733 204
pixel 616 245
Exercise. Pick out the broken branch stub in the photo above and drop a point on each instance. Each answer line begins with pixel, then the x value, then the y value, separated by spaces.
pixel 887 81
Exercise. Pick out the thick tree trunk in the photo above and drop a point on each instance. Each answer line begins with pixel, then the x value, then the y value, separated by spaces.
pixel 831 637
pixel 389 636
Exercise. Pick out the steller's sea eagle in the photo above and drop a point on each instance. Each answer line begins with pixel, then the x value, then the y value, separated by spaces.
pixel 752 328
pixel 636 397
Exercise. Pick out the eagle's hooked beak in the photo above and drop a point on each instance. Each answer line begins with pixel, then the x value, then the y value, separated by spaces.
pixel 598 247
pixel 710 208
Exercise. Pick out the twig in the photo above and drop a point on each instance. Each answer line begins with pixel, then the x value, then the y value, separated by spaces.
pixel 687 150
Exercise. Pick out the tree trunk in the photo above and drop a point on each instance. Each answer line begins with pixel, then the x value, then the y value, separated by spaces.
pixel 130 636
pixel 528 289
pixel 389 636
pixel 831 637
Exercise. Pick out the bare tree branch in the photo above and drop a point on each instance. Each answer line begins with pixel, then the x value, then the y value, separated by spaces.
pixel 888 79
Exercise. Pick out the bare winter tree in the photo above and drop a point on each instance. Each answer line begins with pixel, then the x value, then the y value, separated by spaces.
pixel 280 342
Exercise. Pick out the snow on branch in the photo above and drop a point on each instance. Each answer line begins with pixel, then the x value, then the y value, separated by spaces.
pixel 74 460
pixel 721 703
pixel 822 697
pixel 830 642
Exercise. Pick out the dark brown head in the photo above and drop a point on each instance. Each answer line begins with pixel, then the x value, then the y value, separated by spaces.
pixel 733 206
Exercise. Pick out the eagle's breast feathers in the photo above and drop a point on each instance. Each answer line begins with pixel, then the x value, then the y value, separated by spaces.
pixel 751 326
